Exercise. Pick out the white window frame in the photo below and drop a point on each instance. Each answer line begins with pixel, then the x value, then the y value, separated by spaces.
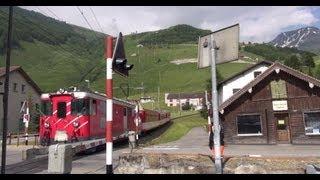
pixel 249 134
pixel 304 121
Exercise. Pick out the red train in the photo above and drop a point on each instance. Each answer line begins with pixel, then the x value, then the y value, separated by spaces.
pixel 78 115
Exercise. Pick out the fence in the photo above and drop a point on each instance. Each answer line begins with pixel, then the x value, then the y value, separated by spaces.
pixel 16 138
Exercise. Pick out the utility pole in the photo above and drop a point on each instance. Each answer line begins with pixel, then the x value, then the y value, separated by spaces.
pixel 208 110
pixel 180 102
pixel 159 93
pixel 154 53
pixel 208 49
pixel 215 112
pixel 140 69
pixel 158 97
pixel 6 94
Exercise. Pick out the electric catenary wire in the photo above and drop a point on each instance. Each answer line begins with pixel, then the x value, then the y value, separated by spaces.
pixel 53 13
pixel 84 17
pixel 96 19
pixel 44 13
pixel 50 39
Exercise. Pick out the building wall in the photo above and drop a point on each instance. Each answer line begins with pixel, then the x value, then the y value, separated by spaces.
pixel 226 91
pixel 175 102
pixel 300 98
pixel 15 99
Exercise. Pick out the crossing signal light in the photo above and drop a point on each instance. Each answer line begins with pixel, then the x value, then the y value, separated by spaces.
pixel 119 64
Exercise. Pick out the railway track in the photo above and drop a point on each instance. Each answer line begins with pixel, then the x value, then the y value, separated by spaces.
pixel 184 116
pixel 40 163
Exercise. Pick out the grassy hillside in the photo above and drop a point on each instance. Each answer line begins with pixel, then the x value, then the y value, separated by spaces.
pixel 56 54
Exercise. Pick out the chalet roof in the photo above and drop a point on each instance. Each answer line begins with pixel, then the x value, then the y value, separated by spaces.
pixel 268 63
pixel 186 95
pixel 23 73
pixel 268 72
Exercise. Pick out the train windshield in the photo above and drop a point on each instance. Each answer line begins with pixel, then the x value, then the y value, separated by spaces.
pixel 46 108
pixel 62 109
pixel 80 107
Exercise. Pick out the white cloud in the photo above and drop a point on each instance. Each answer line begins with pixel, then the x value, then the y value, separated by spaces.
pixel 257 24
pixel 263 24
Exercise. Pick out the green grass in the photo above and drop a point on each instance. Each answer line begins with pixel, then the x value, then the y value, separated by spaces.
pixel 317 60
pixel 76 59
pixel 179 128
pixel 50 67
pixel 253 57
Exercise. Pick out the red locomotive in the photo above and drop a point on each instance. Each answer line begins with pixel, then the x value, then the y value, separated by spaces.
pixel 78 116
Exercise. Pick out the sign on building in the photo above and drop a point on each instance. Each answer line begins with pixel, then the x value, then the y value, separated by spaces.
pixel 280 105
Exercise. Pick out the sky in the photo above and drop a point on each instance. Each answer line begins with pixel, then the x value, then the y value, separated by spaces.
pixel 257 24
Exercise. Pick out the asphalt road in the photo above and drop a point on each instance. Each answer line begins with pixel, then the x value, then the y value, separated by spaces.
pixel 194 142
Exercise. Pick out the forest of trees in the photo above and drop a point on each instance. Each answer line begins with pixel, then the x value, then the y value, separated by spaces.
pixel 272 53
pixel 174 35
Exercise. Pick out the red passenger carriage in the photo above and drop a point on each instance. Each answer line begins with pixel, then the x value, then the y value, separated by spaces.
pixel 77 115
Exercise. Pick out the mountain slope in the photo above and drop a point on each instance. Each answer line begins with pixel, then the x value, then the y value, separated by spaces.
pixel 307 39
pixel 56 55
pixel 274 53
pixel 178 34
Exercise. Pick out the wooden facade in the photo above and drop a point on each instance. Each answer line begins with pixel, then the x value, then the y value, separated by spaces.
pixel 277 126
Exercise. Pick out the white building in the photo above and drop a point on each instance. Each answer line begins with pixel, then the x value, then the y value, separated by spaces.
pixel 194 99
pixel 231 85
pixel 21 88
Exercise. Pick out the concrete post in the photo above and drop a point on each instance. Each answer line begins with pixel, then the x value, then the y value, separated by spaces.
pixel 60 159
pixel 132 139
pixel 215 107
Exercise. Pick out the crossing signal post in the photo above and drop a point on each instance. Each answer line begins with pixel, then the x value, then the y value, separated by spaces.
pixel 116 61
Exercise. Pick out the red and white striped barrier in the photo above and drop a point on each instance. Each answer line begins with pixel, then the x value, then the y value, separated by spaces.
pixel 109 103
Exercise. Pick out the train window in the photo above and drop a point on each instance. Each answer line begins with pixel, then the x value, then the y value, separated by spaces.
pixel 124 111
pixel 129 112
pixel 80 107
pixel 46 108
pixel 94 107
pixel 102 109
pixel 62 109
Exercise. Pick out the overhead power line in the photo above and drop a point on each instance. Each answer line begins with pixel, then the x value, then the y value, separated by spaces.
pixel 84 17
pixel 44 13
pixel 53 14
pixel 56 48
pixel 96 19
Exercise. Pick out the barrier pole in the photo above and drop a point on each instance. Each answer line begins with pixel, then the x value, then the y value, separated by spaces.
pixel 109 103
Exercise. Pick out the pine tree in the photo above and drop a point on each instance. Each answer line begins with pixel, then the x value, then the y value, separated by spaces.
pixel 293 62
pixel 308 61
pixel 317 72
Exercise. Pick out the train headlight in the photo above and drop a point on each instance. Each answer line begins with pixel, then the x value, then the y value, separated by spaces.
pixel 75 124
pixel 46 125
